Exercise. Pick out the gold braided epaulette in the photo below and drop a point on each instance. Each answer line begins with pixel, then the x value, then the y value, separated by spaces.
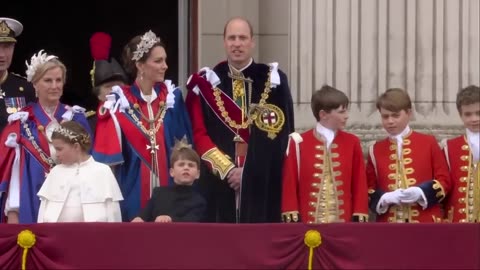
pixel 291 216
pixel 89 114
pixel 221 163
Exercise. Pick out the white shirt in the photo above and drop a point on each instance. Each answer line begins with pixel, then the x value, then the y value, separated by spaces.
pixel 399 139
pixel 149 98
pixel 474 143
pixel 327 133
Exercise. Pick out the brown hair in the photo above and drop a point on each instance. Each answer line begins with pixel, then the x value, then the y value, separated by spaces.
pixel 72 132
pixel 395 100
pixel 327 99
pixel 184 151
pixel 467 96
pixel 130 65
pixel 50 64
pixel 239 19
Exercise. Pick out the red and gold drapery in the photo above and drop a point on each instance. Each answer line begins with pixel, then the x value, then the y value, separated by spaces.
pixel 246 246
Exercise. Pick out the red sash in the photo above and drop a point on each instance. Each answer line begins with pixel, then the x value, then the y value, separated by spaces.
pixel 208 94
pixel 140 142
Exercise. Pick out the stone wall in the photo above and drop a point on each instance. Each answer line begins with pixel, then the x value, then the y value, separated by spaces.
pixel 431 48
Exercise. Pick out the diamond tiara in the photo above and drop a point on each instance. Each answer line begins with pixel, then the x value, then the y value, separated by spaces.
pixel 146 43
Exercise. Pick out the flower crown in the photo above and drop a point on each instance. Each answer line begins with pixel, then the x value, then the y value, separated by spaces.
pixel 73 136
pixel 37 60
pixel 146 43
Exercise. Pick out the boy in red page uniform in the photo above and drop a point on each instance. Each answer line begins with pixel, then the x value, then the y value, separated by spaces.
pixel 407 172
pixel 324 176
pixel 463 156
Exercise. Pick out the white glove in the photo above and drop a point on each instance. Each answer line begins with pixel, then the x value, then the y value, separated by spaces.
pixel 110 101
pixel 388 199
pixel 414 195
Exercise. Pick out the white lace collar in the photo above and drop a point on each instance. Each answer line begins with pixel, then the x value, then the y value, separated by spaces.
pixel 149 98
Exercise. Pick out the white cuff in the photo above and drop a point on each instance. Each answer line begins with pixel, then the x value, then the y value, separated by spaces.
pixel 68 115
pixel 211 76
pixel 23 116
pixel 423 201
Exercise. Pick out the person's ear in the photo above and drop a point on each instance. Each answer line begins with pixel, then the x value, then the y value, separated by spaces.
pixel 322 114
pixel 139 66
pixel 409 113
pixel 77 146
pixel 171 172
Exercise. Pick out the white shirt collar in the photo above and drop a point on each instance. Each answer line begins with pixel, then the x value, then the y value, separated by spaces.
pixel 473 139
pixel 149 98
pixel 399 137
pixel 327 133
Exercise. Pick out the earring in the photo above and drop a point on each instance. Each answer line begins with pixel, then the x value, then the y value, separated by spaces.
pixel 141 76
pixel 36 93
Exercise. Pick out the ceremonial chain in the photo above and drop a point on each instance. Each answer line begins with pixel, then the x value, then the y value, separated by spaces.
pixel 250 118
pixel 159 118
pixel 42 153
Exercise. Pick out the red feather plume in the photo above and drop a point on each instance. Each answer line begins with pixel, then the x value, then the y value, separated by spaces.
pixel 100 44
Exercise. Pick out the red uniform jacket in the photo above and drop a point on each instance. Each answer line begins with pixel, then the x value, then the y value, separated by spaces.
pixel 304 174
pixel 463 203
pixel 422 164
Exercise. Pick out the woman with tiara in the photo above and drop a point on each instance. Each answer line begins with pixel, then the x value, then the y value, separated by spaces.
pixel 27 154
pixel 138 126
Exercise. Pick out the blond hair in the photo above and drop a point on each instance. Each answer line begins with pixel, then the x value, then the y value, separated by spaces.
pixel 50 64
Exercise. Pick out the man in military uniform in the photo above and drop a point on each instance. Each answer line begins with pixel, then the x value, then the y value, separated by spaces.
pixel 15 91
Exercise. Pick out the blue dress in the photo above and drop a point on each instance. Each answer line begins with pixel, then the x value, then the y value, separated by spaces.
pixel 26 160
pixel 137 138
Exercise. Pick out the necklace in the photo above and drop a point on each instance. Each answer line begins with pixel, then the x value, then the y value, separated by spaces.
pixel 251 116
pixel 153 128
pixel 50 111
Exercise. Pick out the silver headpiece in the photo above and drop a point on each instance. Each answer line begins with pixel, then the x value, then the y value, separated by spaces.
pixel 72 136
pixel 37 60
pixel 146 43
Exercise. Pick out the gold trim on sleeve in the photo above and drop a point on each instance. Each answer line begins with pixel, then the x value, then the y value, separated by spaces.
pixel 440 191
pixel 220 162
pixel 291 216
pixel 361 217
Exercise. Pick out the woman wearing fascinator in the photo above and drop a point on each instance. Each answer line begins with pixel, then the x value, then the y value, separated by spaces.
pixel 138 124
pixel 27 152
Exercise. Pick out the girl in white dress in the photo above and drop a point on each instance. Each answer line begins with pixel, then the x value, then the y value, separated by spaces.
pixel 78 189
